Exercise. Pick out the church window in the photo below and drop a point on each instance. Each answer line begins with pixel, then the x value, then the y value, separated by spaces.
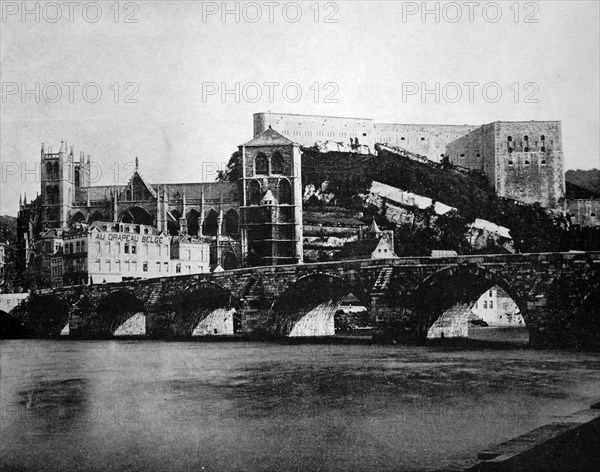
pixel 253 192
pixel 526 138
pixel 277 163
pixel 261 164
pixel 285 192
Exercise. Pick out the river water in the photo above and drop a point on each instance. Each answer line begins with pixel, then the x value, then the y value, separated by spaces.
pixel 241 406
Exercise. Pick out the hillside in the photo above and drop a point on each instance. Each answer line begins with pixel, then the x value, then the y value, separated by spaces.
pixel 586 179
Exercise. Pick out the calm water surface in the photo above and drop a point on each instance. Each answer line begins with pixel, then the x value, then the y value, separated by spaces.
pixel 157 406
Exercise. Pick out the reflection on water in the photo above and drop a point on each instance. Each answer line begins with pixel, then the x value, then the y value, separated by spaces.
pixel 110 405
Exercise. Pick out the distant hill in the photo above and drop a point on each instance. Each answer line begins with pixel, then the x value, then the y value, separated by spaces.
pixel 585 179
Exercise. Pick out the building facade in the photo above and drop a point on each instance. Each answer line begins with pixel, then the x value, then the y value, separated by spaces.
pixel 272 200
pixel 523 160
pixel 423 139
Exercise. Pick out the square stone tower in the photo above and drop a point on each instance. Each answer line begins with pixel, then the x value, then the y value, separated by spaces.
pixel 271 211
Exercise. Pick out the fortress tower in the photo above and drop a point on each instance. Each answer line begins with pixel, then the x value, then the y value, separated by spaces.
pixel 272 200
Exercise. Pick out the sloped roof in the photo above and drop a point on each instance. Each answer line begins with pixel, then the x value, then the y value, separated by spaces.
pixel 362 249
pixel 269 137
pixel 149 187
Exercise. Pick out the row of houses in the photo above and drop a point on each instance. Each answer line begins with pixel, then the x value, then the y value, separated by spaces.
pixel 106 252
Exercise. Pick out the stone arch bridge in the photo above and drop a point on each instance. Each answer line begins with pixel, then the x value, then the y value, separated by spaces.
pixel 558 295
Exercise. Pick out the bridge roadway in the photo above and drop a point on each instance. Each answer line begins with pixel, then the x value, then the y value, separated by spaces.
pixel 558 295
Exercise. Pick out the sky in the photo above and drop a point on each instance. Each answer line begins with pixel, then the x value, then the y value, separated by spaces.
pixel 120 80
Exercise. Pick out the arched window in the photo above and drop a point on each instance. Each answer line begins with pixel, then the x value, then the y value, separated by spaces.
pixel 193 225
pixel 231 223
pixel 261 164
pixel 509 139
pixel 230 261
pixel 526 138
pixel 277 163
pixel 55 170
pixel 49 171
pixel 285 192
pixel 211 224
pixel 96 216
pixel 543 138
pixel 253 193
pixel 78 218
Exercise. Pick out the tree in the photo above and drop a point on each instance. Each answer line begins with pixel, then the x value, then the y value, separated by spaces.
pixel 233 172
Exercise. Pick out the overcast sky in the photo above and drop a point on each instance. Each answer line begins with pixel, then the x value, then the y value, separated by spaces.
pixel 363 58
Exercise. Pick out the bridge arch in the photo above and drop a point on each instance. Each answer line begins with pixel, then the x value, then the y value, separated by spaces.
pixel 454 286
pixel 206 308
pixel 308 305
pixel 113 311
pixel 45 316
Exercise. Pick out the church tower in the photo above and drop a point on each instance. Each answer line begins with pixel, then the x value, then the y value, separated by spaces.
pixel 57 181
pixel 272 200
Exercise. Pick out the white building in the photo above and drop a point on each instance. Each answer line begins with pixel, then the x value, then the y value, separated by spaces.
pixel 496 308
pixel 113 252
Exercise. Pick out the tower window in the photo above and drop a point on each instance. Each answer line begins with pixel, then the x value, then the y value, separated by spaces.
pixel 261 164
pixel 277 163
pixel 543 162
pixel 285 192
pixel 509 139
pixel 527 163
pixel 422 138
pixel 543 149
pixel 543 138
pixel 253 193
pixel 526 149
pixel 526 138
pixel 510 150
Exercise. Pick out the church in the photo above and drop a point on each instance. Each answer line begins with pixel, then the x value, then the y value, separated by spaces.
pixel 255 221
